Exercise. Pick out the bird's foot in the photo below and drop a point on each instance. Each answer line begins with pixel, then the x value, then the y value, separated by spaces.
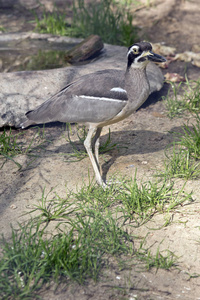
pixel 114 184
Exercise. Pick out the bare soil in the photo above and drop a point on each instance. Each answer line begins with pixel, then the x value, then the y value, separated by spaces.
pixel 145 136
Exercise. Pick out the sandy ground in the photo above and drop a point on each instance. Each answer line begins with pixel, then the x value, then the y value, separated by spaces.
pixel 145 136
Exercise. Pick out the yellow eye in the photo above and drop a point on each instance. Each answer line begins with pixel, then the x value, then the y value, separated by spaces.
pixel 135 50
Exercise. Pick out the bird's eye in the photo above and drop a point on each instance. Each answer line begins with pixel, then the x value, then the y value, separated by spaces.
pixel 135 50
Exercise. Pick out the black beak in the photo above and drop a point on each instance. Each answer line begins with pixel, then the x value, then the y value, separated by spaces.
pixel 156 57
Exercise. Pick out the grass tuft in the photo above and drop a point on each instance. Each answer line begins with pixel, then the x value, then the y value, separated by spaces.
pixel 13 144
pixel 9 146
pixel 140 203
pixel 45 60
pixel 162 260
pixel 72 238
pixel 110 20
pixel 191 139
pixel 183 160
pixel 179 164
pixel 79 154
pixel 177 105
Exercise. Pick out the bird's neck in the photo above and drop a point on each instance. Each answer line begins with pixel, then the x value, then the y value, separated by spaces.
pixel 137 86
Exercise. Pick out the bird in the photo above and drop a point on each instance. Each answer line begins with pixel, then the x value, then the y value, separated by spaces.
pixel 100 99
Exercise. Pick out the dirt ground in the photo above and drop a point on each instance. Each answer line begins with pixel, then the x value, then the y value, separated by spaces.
pixel 145 135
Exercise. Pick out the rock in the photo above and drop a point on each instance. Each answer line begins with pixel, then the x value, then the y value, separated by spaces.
pixel 23 91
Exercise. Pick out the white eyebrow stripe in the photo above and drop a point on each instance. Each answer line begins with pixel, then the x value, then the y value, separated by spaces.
pixel 101 98
pixel 131 49
pixel 119 90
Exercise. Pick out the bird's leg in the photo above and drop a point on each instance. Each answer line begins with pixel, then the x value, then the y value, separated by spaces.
pixel 88 147
pixel 96 145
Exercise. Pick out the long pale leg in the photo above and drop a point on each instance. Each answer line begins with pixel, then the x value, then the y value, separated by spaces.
pixel 88 147
pixel 96 145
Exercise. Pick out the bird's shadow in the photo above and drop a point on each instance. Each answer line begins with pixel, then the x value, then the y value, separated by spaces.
pixel 136 142
pixel 129 142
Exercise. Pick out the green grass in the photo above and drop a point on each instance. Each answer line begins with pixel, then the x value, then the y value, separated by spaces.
pixel 72 238
pixel 142 201
pixel 183 97
pixel 179 164
pixel 2 29
pixel 9 146
pixel 13 144
pixel 183 160
pixel 78 251
pixel 191 139
pixel 53 23
pixel 161 260
pixel 80 153
pixel 110 20
pixel 45 60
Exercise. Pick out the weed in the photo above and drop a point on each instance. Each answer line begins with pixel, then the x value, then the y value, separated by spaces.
pixel 2 29
pixel 76 252
pixel 12 144
pixel 45 60
pixel 79 154
pixel 192 95
pixel 158 261
pixel 182 160
pixel 191 139
pixel 9 146
pixel 140 203
pixel 105 18
pixel 85 231
pixel 53 23
pixel 176 105
pixel 179 164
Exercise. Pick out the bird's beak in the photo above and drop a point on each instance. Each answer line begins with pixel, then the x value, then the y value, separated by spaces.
pixel 155 57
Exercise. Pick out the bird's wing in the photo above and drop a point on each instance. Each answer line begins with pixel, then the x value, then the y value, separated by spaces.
pixel 92 98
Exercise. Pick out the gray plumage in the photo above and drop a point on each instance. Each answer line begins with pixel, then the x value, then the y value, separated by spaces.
pixel 100 99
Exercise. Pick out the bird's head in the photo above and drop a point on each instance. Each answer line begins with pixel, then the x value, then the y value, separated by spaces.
pixel 139 54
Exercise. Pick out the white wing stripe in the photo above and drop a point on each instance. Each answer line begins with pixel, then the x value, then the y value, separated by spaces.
pixel 119 90
pixel 100 98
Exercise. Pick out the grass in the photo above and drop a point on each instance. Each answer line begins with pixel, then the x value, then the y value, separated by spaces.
pixel 13 144
pixel 177 104
pixel 161 260
pixel 179 164
pixel 72 238
pixel 142 202
pixel 53 23
pixel 80 153
pixel 191 139
pixel 183 160
pixel 75 254
pixel 2 29
pixel 110 20
pixel 45 60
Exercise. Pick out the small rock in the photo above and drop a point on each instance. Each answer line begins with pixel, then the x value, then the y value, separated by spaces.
pixel 13 206
pixel 157 114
